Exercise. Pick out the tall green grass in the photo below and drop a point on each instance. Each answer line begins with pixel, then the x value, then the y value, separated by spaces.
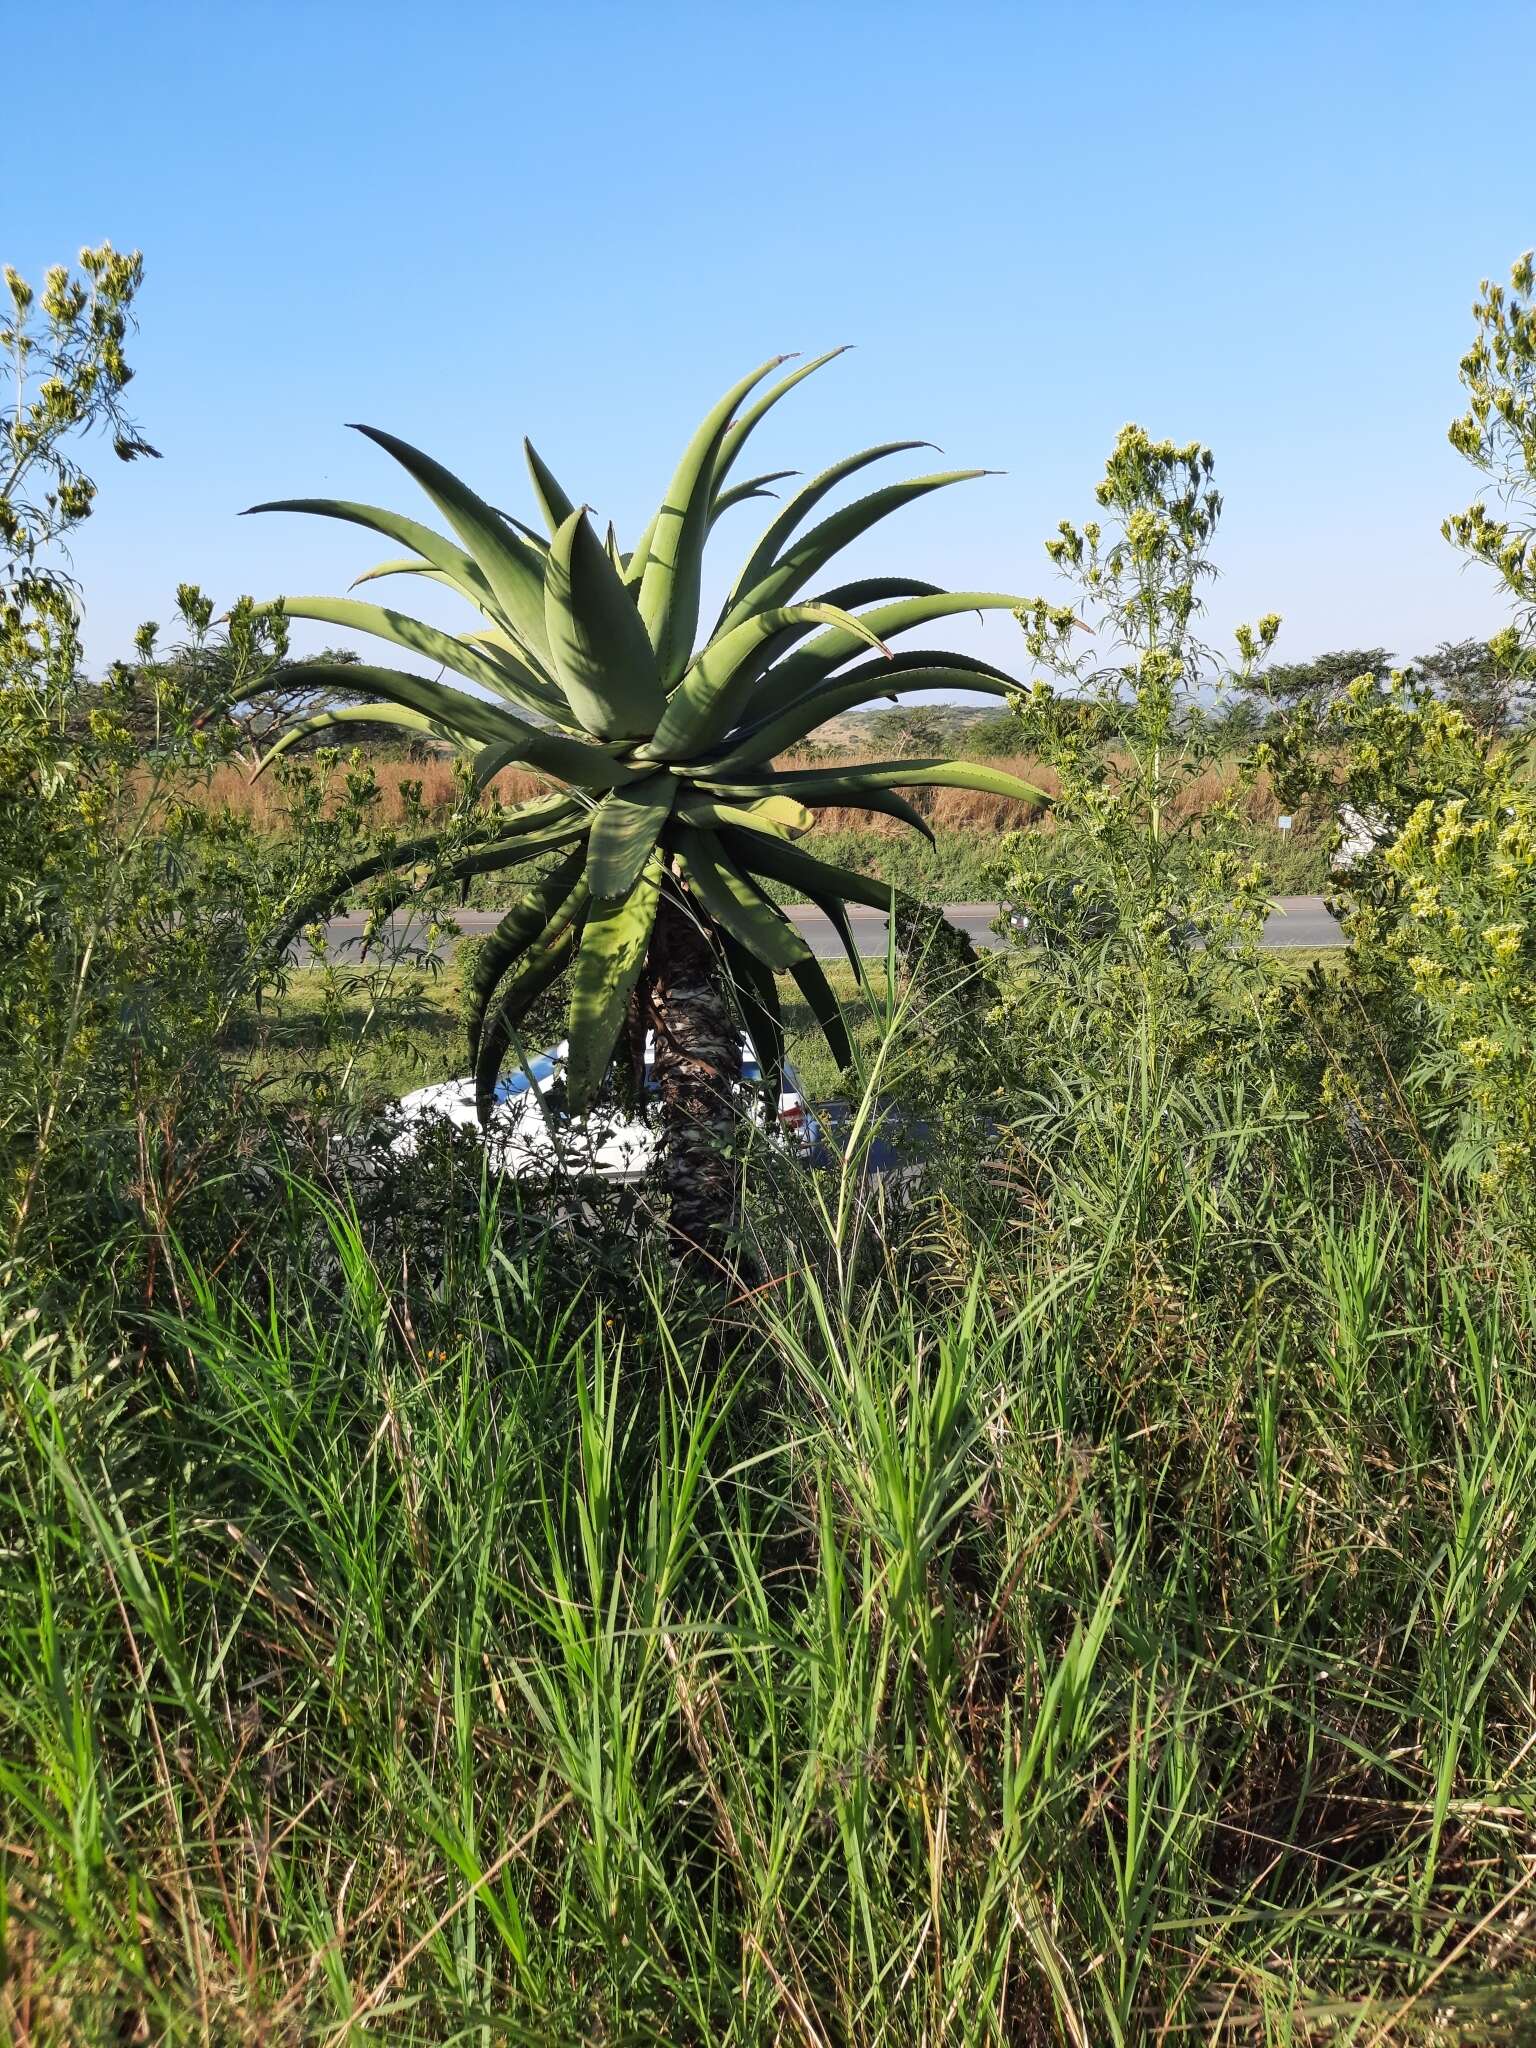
pixel 1084 1595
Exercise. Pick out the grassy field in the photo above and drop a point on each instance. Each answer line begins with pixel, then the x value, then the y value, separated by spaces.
pixel 344 1027
pixel 1092 1602
pixel 391 1034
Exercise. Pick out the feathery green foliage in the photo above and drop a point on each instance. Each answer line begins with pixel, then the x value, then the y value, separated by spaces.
pixel 64 350
pixel 1497 434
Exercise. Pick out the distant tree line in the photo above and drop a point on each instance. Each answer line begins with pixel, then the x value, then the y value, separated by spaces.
pixel 1494 684
pixel 1495 693
pixel 1491 682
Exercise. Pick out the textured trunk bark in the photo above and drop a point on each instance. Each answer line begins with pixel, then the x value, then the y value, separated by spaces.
pixel 697 1069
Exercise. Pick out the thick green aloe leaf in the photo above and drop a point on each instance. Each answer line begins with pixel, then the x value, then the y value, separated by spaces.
pixel 531 534
pixel 826 1009
pixel 735 904
pixel 785 812
pixel 778 861
pixel 602 654
pixel 513 569
pixel 512 853
pixel 354 714
pixel 544 960
pixel 817 880
pixel 843 785
pixel 669 588
pixel 470 718
pixel 505 652
pixel 489 762
pixel 524 922
pixel 757 999
pixel 406 565
pixel 813 663
pixel 608 962
pixel 864 685
pixel 890 805
pixel 705 704
pixel 876 590
pixel 540 826
pixel 634 563
pixel 835 911
pixel 809 555
pixel 518 686
pixel 779 529
pixel 781 816
pixel 625 828
pixel 743 493
pixel 503 853
pixel 553 503
pixel 735 436
pixel 460 569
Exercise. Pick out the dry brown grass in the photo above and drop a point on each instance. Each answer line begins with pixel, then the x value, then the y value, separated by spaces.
pixel 267 804
pixel 948 810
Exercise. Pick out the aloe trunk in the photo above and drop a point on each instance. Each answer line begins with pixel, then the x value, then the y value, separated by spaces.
pixel 696 1070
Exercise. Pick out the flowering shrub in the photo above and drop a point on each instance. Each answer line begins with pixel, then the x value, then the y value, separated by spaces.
pixel 1459 920
pixel 1440 912
pixel 1161 917
pixel 1497 435
pixel 126 919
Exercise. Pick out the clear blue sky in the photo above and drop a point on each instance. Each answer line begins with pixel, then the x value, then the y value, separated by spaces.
pixel 1258 226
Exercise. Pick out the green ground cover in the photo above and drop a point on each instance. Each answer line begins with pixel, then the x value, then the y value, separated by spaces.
pixel 433 1625
pixel 343 1028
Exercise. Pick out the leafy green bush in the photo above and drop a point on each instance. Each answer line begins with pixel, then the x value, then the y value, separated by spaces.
pixel 1143 922
pixel 1440 914
pixel 1426 1035
pixel 126 939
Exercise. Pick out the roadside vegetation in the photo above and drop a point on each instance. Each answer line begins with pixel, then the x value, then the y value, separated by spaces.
pixel 1080 1587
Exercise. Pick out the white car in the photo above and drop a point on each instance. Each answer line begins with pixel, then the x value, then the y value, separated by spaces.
pixel 1360 834
pixel 531 1132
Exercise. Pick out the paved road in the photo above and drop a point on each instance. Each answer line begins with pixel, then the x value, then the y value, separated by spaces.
pixel 1295 921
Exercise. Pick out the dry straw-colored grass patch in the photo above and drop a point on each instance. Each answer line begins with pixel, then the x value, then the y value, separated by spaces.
pixel 948 810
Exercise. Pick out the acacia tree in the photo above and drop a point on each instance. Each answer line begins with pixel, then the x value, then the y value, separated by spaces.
pixel 1478 677
pixel 909 729
pixel 1315 684
pixel 667 823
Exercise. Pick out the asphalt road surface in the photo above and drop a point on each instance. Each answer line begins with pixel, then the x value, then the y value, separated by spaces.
pixel 1295 921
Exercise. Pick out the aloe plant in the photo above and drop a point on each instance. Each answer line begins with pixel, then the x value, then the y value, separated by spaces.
pixel 667 816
